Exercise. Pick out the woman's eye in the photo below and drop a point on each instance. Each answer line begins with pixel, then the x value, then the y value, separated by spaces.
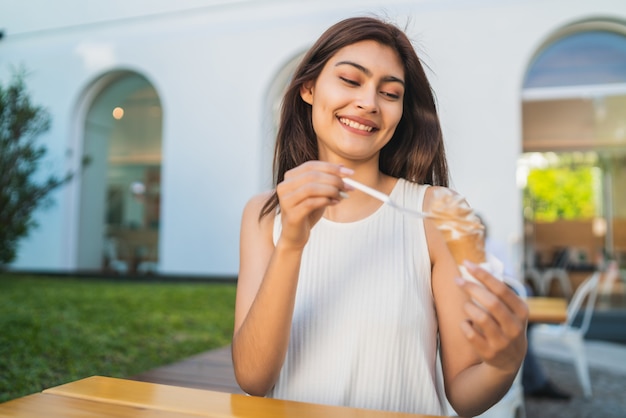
pixel 351 82
pixel 390 95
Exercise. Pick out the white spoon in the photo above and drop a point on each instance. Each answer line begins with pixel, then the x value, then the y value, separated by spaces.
pixel 385 199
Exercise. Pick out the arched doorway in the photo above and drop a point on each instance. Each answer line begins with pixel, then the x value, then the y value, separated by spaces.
pixel 574 142
pixel 120 191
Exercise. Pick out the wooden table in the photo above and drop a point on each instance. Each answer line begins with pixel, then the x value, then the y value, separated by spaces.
pixel 545 309
pixel 99 396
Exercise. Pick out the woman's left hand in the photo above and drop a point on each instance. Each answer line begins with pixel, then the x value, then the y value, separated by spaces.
pixel 497 320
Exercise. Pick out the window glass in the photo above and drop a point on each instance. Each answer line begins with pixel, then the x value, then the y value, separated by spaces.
pixel 121 188
pixel 574 136
pixel 592 57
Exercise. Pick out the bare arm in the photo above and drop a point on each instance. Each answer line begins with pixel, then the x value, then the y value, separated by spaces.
pixel 482 347
pixel 496 330
pixel 264 303
pixel 268 274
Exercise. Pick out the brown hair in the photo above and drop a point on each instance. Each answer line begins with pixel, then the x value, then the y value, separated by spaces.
pixel 415 152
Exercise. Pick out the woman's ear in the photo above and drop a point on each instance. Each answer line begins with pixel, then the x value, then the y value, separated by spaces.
pixel 306 92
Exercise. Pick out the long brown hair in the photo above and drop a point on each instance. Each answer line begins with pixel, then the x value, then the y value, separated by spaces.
pixel 415 152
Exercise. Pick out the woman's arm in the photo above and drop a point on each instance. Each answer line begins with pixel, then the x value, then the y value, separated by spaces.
pixel 266 290
pixel 482 331
pixel 496 330
pixel 268 274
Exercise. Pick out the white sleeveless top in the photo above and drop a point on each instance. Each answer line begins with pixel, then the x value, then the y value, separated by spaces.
pixel 364 330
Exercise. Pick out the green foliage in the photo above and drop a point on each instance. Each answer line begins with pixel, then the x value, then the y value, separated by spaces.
pixel 56 330
pixel 561 192
pixel 21 122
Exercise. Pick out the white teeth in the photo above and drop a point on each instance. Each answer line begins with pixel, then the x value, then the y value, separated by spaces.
pixel 355 125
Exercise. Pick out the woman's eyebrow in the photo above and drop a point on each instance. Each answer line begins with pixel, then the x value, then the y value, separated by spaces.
pixel 368 73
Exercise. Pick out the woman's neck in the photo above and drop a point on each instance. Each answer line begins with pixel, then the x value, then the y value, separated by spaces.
pixel 360 205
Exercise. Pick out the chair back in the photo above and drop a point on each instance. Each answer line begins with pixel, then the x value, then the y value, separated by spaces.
pixel 588 289
pixel 110 248
pixel 561 259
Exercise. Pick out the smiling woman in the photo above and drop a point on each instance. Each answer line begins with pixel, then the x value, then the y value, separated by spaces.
pixel 343 301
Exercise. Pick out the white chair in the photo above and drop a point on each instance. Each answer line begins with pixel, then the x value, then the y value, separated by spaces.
pixel 114 262
pixel 558 270
pixel 148 267
pixel 542 281
pixel 149 263
pixel 530 272
pixel 534 276
pixel 611 276
pixel 560 274
pixel 570 336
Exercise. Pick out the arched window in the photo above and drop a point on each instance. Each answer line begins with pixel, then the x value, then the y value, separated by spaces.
pixel 574 95
pixel 574 133
pixel 588 58
pixel 120 191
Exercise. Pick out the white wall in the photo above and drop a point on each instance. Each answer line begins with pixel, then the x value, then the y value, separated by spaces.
pixel 212 65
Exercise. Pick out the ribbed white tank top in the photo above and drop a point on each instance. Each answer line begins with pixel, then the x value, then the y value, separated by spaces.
pixel 364 330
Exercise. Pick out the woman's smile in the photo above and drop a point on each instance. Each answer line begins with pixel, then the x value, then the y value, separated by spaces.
pixel 357 124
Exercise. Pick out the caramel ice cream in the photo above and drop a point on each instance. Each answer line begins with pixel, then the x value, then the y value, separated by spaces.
pixel 459 224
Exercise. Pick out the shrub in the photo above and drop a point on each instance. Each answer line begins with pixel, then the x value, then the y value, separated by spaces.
pixel 21 122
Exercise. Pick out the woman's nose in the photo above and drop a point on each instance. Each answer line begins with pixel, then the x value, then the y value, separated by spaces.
pixel 368 100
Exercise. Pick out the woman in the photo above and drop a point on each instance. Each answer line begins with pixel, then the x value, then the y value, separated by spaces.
pixel 341 300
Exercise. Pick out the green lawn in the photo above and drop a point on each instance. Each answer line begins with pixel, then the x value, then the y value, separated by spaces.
pixel 55 330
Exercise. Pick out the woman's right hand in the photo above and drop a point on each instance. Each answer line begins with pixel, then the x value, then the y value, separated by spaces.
pixel 268 274
pixel 303 196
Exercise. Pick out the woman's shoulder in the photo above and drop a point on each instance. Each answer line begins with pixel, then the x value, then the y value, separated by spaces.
pixel 415 187
pixel 258 200
pixel 254 228
pixel 255 205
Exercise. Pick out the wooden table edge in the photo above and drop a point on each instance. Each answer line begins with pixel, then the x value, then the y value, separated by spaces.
pixel 69 390
pixel 61 391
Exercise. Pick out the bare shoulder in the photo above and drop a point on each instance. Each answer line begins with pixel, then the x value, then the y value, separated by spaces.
pixel 252 211
pixel 256 202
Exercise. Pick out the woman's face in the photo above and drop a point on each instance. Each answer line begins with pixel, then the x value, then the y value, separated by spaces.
pixel 356 102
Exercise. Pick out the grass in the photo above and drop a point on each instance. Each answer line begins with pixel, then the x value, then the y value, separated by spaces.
pixel 56 330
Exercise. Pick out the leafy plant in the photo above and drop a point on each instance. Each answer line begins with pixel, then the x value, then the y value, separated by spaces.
pixel 565 190
pixel 21 122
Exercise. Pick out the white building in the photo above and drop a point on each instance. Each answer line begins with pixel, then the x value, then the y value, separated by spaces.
pixel 198 83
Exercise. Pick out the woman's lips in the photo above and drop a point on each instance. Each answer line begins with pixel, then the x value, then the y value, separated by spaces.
pixel 365 127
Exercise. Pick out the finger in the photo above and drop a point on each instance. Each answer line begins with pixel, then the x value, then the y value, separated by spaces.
pixel 300 193
pixel 305 184
pixel 485 325
pixel 486 337
pixel 319 166
pixel 499 288
pixel 306 177
pixel 485 298
pixel 475 338
pixel 503 319
pixel 486 348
